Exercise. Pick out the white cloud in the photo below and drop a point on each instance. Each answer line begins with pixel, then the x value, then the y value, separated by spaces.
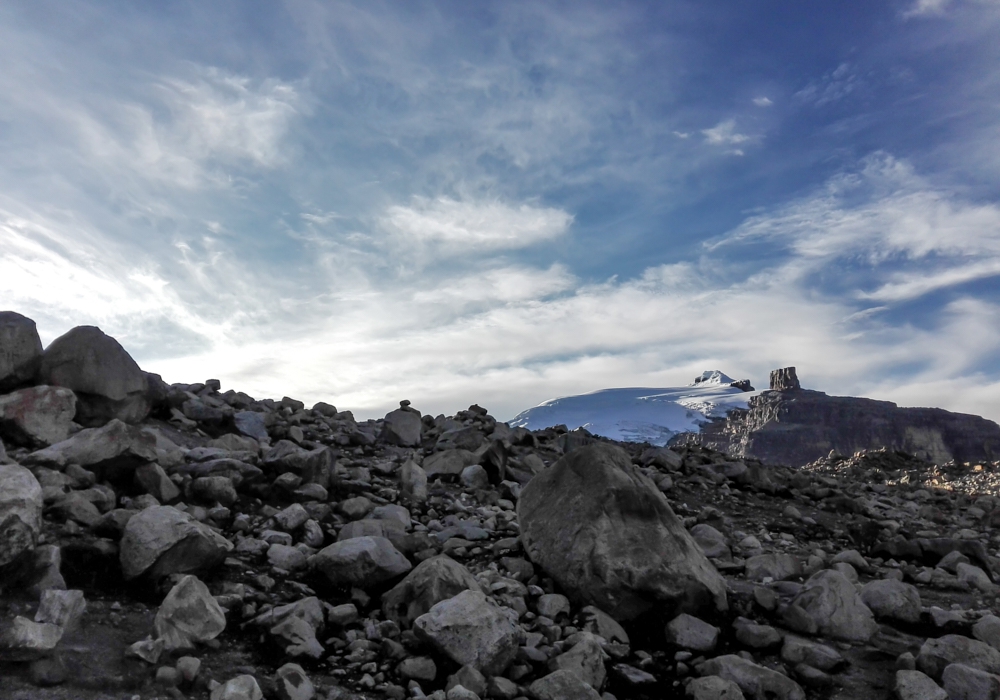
pixel 912 286
pixel 508 335
pixel 900 217
pixel 724 134
pixel 922 8
pixel 832 87
pixel 762 101
pixel 488 225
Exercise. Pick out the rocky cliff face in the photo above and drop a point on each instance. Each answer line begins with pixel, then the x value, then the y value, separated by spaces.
pixel 791 425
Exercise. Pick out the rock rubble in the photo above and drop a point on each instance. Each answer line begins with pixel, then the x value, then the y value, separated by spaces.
pixel 223 546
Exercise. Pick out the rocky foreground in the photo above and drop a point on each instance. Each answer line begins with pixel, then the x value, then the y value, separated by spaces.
pixel 181 541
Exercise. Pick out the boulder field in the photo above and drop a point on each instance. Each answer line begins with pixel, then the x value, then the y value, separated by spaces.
pixel 181 541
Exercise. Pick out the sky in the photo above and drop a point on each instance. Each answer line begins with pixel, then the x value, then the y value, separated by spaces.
pixel 504 202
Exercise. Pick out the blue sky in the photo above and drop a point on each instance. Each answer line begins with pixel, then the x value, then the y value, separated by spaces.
pixel 500 203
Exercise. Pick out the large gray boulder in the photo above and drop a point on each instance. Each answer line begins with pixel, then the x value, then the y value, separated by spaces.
pixel 402 427
pixel 433 580
pixel 20 512
pixel 112 450
pixel 473 630
pixel 361 561
pixel 20 350
pixel 914 685
pixel 892 599
pixel 832 604
pixel 107 381
pixel 936 654
pixel 753 680
pixel 162 540
pixel 37 416
pixel 963 682
pixel 607 535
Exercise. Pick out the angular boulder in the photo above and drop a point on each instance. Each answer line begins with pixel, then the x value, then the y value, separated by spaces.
pixel 585 660
pixel 361 561
pixel 162 540
pixel 112 450
pixel 914 685
pixel 963 682
pixel 402 427
pixel 20 350
pixel 473 630
pixel 20 512
pixel 753 680
pixel 107 381
pixel 607 535
pixel 713 688
pixel 833 605
pixel 37 416
pixel 240 688
pixel 562 685
pixel 188 615
pixel 936 654
pixel 433 580
pixel 25 640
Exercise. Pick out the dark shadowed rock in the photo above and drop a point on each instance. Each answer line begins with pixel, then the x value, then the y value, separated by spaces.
pixel 20 350
pixel 20 512
pixel 162 540
pixel 37 416
pixel 114 449
pixel 107 381
pixel 601 529
pixel 402 427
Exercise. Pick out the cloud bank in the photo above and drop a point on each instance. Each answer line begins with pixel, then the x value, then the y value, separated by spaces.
pixel 367 203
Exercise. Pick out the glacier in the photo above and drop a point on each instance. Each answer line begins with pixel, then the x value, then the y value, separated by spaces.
pixel 634 414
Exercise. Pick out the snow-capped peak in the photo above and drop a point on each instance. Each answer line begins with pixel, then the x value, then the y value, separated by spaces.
pixel 641 414
pixel 712 376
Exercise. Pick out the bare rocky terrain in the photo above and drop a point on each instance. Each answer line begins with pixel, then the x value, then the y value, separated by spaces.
pixel 181 541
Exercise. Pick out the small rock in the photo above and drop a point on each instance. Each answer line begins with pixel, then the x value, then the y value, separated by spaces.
pixel 689 632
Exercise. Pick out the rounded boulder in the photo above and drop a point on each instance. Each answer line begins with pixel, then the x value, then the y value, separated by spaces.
pixel 107 381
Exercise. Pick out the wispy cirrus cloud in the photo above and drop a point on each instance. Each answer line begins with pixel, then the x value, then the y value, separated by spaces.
pixel 501 203
pixel 922 8
pixel 483 225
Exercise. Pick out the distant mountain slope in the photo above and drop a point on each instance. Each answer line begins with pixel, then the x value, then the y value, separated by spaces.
pixel 791 425
pixel 642 414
